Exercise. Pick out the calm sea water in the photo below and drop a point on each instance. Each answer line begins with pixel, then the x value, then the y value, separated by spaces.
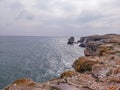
pixel 39 58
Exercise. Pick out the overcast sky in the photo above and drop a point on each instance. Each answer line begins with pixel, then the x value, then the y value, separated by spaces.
pixel 59 17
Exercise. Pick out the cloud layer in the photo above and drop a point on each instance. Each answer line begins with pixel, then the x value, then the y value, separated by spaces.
pixel 59 17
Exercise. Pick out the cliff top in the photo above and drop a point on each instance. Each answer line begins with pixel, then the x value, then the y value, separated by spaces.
pixel 99 69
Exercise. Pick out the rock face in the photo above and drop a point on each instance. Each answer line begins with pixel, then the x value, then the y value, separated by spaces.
pixel 99 45
pixel 71 40
pixel 83 64
pixel 99 69
pixel 99 39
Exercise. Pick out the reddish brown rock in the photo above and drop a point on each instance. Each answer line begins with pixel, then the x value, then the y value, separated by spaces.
pixel 27 84
pixel 83 64
pixel 98 70
pixel 107 44
pixel 114 88
pixel 68 73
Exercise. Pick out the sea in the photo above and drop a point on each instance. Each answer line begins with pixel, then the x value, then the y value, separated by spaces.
pixel 35 57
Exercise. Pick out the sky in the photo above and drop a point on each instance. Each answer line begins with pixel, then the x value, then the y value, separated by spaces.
pixel 59 17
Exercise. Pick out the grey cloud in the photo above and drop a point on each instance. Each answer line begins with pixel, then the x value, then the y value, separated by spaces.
pixel 89 16
pixel 82 19
pixel 25 15
pixel 11 5
pixel 46 17
pixel 112 4
pixel 41 4
pixel 64 6
pixel 16 5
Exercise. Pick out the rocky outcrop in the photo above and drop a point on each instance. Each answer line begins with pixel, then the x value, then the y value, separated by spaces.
pixel 99 69
pixel 108 44
pixel 99 39
pixel 83 64
pixel 71 40
pixel 26 84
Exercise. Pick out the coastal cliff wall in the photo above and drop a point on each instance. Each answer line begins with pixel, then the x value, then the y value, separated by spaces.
pixel 99 69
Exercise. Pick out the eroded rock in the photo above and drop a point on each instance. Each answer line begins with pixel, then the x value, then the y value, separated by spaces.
pixel 98 70
pixel 83 64
pixel 71 40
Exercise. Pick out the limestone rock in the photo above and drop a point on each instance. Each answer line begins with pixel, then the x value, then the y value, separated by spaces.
pixel 99 69
pixel 27 84
pixel 83 64
pixel 68 73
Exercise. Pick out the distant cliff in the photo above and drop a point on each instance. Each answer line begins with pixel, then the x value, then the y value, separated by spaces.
pixel 99 69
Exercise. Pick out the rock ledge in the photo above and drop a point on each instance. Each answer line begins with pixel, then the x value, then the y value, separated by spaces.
pixel 99 69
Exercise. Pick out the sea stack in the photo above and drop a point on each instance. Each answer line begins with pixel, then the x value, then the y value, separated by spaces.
pixel 71 40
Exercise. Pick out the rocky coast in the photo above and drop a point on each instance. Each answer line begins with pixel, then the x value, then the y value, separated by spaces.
pixel 99 69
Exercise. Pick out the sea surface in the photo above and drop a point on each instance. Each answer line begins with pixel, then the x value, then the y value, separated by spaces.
pixel 39 58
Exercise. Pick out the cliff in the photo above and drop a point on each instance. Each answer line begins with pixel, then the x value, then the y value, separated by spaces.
pixel 99 69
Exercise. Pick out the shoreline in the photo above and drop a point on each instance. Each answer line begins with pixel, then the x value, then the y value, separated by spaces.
pixel 99 69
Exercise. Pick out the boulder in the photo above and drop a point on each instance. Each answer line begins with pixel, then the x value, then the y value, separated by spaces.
pixel 71 40
pixel 83 64
pixel 68 73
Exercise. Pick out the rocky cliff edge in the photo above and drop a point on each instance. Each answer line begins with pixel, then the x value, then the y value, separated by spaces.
pixel 99 69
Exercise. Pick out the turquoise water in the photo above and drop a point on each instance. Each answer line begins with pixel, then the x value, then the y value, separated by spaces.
pixel 39 58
